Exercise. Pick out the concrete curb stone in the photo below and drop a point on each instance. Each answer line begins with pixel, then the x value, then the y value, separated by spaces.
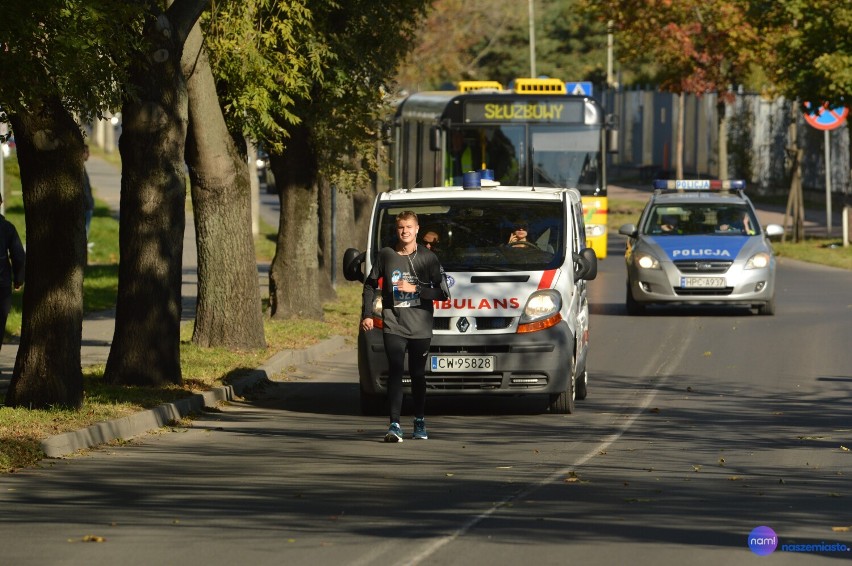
pixel 67 443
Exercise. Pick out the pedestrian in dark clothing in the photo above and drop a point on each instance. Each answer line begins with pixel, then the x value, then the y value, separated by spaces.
pixel 11 267
pixel 411 278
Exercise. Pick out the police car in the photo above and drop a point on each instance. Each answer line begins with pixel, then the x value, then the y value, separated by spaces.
pixel 699 242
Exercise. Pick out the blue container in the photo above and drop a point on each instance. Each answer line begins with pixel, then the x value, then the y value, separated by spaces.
pixel 471 180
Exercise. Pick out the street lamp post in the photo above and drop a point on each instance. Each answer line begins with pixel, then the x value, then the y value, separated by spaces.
pixel 532 39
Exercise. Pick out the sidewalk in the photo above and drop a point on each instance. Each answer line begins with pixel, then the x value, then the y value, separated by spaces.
pixel 99 327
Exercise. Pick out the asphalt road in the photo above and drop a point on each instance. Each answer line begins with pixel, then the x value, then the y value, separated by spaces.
pixel 700 425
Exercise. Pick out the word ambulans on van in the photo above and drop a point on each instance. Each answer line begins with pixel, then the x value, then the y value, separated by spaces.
pixel 517 320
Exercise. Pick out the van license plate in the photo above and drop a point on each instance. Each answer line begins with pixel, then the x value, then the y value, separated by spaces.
pixel 702 282
pixel 448 364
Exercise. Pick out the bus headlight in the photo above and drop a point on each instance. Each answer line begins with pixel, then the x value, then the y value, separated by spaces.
pixel 595 230
pixel 758 261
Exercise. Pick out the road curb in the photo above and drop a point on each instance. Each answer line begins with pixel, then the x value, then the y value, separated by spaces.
pixel 67 443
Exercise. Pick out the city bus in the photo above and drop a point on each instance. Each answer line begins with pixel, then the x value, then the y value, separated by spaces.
pixel 531 134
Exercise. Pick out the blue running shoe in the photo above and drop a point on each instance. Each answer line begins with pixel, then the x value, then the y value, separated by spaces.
pixel 420 429
pixel 394 433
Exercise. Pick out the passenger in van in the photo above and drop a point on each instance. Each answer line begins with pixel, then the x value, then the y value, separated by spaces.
pixel 431 240
pixel 412 278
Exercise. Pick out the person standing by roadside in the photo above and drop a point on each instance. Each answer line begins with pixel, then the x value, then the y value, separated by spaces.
pixel 88 198
pixel 410 277
pixel 11 267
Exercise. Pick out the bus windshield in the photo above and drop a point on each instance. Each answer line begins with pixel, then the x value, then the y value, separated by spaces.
pixel 563 156
pixel 499 148
pixel 566 157
pixel 484 235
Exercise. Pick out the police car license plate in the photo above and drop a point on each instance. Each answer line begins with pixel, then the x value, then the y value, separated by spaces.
pixel 702 282
pixel 448 364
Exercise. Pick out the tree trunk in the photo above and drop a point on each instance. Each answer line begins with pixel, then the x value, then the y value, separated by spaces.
pixel 293 275
pixel 50 153
pixel 722 112
pixel 681 124
pixel 229 311
pixel 146 343
pixel 329 218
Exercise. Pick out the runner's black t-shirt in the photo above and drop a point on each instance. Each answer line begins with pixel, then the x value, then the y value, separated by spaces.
pixel 405 314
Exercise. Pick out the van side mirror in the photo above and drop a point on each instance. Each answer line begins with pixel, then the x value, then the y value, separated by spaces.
pixel 352 261
pixel 435 138
pixel 585 264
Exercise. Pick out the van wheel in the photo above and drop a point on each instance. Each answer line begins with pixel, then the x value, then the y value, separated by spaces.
pixel 373 405
pixel 563 403
pixel 581 389
pixel 633 307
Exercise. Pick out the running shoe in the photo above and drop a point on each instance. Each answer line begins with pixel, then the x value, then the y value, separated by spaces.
pixel 420 429
pixel 394 433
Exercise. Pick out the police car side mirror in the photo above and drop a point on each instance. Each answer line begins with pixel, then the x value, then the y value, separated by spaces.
pixel 585 264
pixel 774 230
pixel 628 230
pixel 352 261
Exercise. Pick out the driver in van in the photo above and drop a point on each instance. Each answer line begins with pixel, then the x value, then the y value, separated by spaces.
pixel 518 236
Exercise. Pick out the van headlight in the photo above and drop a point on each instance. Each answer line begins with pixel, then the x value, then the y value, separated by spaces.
pixel 758 261
pixel 647 261
pixel 541 304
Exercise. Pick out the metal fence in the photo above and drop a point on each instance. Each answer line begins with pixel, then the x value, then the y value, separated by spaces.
pixel 758 140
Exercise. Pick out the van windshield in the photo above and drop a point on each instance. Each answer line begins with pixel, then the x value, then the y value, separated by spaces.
pixel 483 235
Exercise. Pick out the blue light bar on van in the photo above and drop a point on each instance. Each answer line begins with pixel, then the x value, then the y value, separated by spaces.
pixel 699 185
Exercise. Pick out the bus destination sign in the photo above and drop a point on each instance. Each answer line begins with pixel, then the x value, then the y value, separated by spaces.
pixel 568 111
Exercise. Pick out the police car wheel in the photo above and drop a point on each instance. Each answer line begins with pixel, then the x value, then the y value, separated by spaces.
pixel 633 307
pixel 581 387
pixel 768 308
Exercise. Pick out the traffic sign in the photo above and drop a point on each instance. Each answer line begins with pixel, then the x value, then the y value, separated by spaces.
pixel 825 118
pixel 582 88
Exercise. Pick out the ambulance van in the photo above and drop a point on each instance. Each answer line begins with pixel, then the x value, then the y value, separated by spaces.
pixel 517 320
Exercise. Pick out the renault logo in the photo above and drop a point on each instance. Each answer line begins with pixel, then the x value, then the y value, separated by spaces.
pixel 463 324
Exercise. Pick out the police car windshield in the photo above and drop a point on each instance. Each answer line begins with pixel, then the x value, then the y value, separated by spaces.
pixel 474 235
pixel 688 219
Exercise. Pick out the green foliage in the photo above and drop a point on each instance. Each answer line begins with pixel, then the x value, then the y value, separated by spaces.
pixel 349 98
pixel 807 48
pixel 264 56
pixel 697 45
pixel 73 50
pixel 486 40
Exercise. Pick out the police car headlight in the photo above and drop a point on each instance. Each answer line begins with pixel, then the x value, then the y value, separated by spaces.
pixel 541 304
pixel 595 230
pixel 758 261
pixel 647 261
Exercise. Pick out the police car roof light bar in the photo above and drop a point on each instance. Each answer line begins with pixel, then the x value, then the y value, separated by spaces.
pixel 698 185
